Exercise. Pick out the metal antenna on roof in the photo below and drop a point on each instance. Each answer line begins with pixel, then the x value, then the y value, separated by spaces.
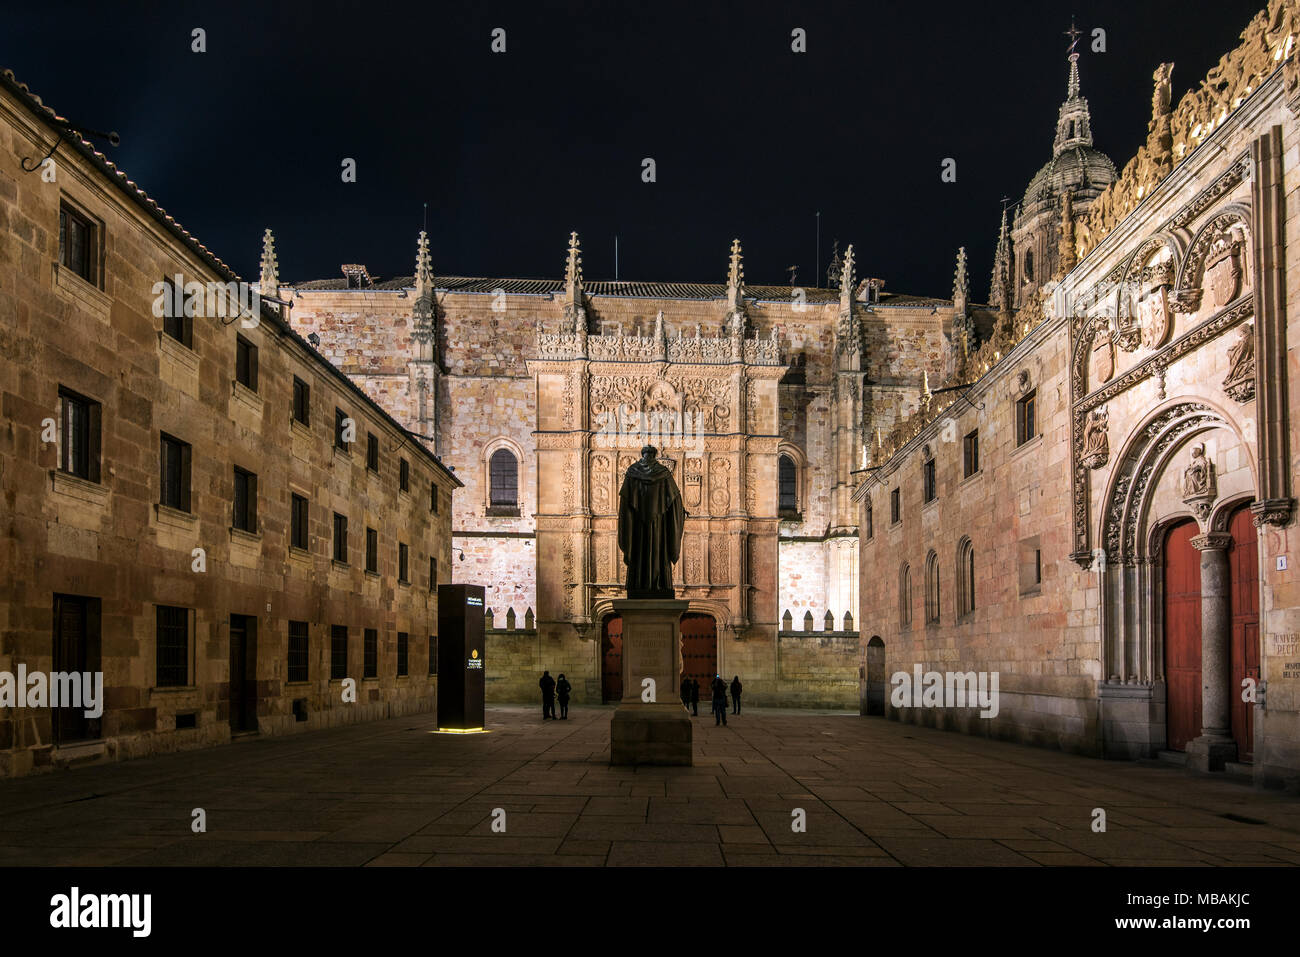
pixel 817 264
pixel 616 257
pixel 426 217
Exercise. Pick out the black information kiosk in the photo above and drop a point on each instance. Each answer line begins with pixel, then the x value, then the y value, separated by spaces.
pixel 460 657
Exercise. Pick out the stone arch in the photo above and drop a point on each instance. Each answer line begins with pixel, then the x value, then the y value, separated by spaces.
pixel 498 444
pixel 874 679
pixel 1131 539
pixel 1192 273
pixel 802 475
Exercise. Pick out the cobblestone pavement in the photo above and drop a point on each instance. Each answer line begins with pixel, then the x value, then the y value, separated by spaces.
pixel 874 792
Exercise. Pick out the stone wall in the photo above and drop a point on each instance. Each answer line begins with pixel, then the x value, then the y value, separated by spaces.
pixel 108 539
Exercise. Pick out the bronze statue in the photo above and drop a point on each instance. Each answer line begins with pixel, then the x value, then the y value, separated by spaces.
pixel 650 522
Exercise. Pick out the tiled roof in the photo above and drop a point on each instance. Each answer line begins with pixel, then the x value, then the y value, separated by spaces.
pixel 142 199
pixel 621 289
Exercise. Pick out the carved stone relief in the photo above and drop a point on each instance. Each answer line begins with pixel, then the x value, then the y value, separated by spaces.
pixel 1096 441
pixel 720 486
pixel 1240 383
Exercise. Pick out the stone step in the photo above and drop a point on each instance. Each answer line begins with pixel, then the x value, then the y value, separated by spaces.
pixel 1173 757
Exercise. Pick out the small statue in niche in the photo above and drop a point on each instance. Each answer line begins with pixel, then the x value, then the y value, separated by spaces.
pixel 1198 477
pixel 1240 383
pixel 1096 438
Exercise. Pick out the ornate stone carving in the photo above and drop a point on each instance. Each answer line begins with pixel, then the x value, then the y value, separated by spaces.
pixel 1223 269
pixel 1096 442
pixel 601 501
pixel 1200 487
pixel 720 486
pixel 692 488
pixel 1103 358
pixel 1153 313
pixel 719 559
pixel 1240 383
pixel 694 560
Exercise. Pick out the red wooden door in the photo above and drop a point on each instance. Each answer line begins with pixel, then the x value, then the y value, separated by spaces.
pixel 1243 566
pixel 700 651
pixel 1182 636
pixel 611 647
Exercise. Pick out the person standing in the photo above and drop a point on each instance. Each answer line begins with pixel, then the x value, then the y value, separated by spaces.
pixel 562 689
pixel 735 694
pixel 686 693
pixel 547 684
pixel 719 700
pixel 695 697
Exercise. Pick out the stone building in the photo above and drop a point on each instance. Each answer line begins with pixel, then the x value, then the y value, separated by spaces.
pixel 197 505
pixel 540 393
pixel 1102 517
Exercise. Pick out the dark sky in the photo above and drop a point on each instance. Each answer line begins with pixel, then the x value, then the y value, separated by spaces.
pixel 513 150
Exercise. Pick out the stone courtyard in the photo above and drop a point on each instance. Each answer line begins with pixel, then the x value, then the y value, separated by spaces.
pixel 874 792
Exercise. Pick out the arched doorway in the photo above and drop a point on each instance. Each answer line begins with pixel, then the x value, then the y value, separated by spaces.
pixel 1243 569
pixel 611 658
pixel 1182 618
pixel 700 651
pixel 874 700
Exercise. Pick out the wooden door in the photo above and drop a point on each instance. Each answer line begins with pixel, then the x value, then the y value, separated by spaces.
pixel 611 654
pixel 875 677
pixel 1182 636
pixel 76 649
pixel 243 699
pixel 700 652
pixel 1243 567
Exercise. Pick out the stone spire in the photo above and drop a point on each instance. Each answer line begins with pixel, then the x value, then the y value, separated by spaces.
pixel 846 282
pixel 1074 124
pixel 270 284
pixel 575 312
pixel 423 270
pixel 833 270
pixel 960 284
pixel 1000 285
pixel 1067 255
pixel 736 290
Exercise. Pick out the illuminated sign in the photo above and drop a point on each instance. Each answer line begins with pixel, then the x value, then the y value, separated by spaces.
pixel 473 600
pixel 475 662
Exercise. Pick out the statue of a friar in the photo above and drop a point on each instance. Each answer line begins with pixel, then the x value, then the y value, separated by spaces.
pixel 650 523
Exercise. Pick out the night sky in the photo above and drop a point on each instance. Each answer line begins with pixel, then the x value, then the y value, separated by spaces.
pixel 511 151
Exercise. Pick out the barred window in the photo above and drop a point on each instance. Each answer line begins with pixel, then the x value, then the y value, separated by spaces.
pixel 338 652
pixel 173 647
pixel 402 642
pixel 297 651
pixel 371 654
pixel 787 482
pixel 503 470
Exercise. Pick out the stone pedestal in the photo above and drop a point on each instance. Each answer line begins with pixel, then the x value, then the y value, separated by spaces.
pixel 659 731
pixel 1215 746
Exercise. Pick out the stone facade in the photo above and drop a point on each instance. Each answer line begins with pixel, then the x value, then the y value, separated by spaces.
pixel 729 378
pixel 1163 374
pixel 98 569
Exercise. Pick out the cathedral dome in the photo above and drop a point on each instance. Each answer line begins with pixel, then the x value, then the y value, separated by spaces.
pixel 1077 168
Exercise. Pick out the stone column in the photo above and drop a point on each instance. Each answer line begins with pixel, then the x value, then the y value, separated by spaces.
pixel 1215 744
pixel 656 731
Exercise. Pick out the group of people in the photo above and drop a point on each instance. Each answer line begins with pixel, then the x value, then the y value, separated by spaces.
pixel 691 697
pixel 551 690
pixel 554 689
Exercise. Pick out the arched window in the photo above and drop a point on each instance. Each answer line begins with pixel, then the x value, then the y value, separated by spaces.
pixel 1029 265
pixel 905 597
pixel 965 578
pixel 503 480
pixel 787 486
pixel 931 588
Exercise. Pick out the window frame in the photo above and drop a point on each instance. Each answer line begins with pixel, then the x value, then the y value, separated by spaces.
pixel 970 450
pixel 71 215
pixel 929 481
pixel 895 505
pixel 370 653
pixel 340 549
pixel 1027 417
pixel 372 453
pixel 245 363
pixel 90 427
pixel 338 652
pixel 299 521
pixel 372 550
pixel 500 506
pixel 247 521
pixel 300 410
pixel 183 500
pixel 171 673
pixel 298 653
pixel 403 563
pixel 403 653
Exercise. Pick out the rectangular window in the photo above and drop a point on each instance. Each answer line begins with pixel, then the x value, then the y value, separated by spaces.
pixel 372 452
pixel 298 521
pixel 176 323
pixel 1025 424
pixel 173 647
pixel 871 528
pixel 340 426
pixel 1030 556
pixel 80 430
pixel 245 518
pixel 927 479
pixel 372 550
pixel 78 246
pixel 1038 566
pixel 402 664
pixel 433 654
pixel 340 538
pixel 301 401
pixel 297 651
pixel 895 506
pixel 338 652
pixel 433 573
pixel 371 654
pixel 403 559
pixel 404 476
pixel 433 497
pixel 971 453
pixel 245 363
pixel 175 469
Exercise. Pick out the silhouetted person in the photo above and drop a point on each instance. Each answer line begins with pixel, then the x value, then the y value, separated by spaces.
pixel 695 697
pixel 735 694
pixel 547 684
pixel 686 693
pixel 719 700
pixel 562 689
